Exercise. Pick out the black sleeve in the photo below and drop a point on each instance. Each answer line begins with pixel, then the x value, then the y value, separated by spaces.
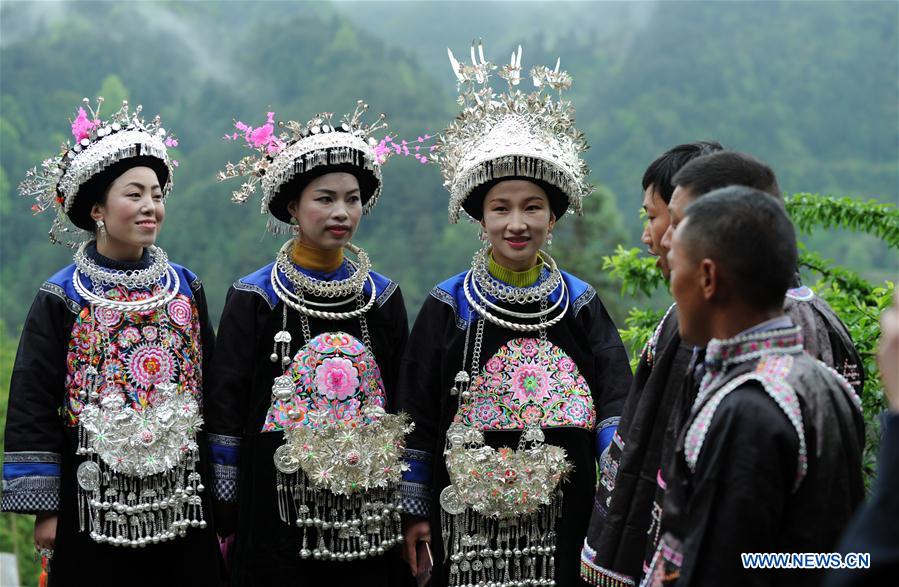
pixel 419 394
pixel 35 435
pixel 613 377
pixel 395 309
pixel 207 334
pixel 226 394
pixel 874 529
pixel 744 472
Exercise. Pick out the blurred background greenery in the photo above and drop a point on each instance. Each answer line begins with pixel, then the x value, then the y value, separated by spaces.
pixel 809 87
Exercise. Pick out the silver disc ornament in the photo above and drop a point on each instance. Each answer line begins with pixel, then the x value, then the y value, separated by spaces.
pixel 88 475
pixel 450 501
pixel 284 461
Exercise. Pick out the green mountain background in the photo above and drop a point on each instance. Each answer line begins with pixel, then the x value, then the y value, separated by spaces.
pixel 809 87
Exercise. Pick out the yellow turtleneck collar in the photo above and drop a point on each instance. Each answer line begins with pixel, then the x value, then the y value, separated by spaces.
pixel 316 259
pixel 524 278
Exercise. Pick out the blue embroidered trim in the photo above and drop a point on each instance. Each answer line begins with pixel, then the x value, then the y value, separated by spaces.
pixel 224 450
pixel 420 467
pixel 605 431
pixel 415 499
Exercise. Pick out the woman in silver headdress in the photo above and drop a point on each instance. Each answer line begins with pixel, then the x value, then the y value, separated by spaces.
pixel 102 434
pixel 306 456
pixel 514 374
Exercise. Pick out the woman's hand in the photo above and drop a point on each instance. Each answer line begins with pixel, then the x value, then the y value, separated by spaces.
pixel 45 530
pixel 414 531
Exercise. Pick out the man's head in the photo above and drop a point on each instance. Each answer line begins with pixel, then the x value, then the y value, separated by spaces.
pixel 703 174
pixel 657 190
pixel 733 255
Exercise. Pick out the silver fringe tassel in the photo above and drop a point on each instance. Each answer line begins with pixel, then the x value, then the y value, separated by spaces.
pixel 339 527
pixel 504 552
pixel 124 510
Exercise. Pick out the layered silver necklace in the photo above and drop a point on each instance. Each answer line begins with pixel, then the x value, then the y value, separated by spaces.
pixel 160 273
pixel 347 290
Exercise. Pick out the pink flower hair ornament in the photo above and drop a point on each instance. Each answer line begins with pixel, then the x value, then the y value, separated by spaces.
pixel 290 149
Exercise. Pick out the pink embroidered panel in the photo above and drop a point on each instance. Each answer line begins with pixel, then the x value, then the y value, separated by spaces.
pixel 529 380
pixel 133 352
pixel 334 374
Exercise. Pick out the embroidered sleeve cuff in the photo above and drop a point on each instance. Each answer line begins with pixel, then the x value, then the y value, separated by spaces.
pixel 30 482
pixel 415 499
pixel 224 453
pixel 224 483
pixel 415 489
pixel 604 433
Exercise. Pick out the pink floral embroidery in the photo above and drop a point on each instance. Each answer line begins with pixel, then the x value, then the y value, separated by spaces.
pixel 529 381
pixel 333 372
pixel 150 365
pixel 145 348
pixel 336 378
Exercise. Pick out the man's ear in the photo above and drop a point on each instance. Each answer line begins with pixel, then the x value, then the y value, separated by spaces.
pixel 709 278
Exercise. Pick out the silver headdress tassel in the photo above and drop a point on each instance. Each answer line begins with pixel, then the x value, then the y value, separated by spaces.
pixel 299 149
pixel 98 145
pixel 512 134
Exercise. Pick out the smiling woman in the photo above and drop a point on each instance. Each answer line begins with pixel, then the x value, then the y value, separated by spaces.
pixel 514 373
pixel 102 438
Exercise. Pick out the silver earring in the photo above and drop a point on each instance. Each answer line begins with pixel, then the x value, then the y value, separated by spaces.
pixel 296 226
pixel 482 236
pixel 549 241
pixel 101 230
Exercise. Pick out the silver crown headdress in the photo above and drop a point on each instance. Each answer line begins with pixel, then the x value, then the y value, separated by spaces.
pixel 512 134
pixel 301 148
pixel 98 145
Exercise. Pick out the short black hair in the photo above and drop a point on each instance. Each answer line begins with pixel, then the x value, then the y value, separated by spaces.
pixel 752 238
pixel 660 172
pixel 724 168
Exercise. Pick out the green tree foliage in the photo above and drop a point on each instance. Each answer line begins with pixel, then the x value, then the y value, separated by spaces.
pixel 857 301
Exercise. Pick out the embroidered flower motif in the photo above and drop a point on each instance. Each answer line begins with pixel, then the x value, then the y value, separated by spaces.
pixel 336 378
pixel 151 333
pixel 149 365
pixel 83 335
pixel 530 383
pixel 129 336
pixel 494 365
pixel 529 347
pixel 179 311
pixel 107 317
pixel 566 365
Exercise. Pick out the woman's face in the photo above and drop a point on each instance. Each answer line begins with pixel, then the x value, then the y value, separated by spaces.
pixel 517 220
pixel 328 211
pixel 132 214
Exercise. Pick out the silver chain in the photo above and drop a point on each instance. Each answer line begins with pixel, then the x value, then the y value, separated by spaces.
pixel 130 278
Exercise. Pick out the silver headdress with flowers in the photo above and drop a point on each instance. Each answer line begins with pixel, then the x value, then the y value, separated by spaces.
pixel 98 145
pixel 301 148
pixel 511 134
